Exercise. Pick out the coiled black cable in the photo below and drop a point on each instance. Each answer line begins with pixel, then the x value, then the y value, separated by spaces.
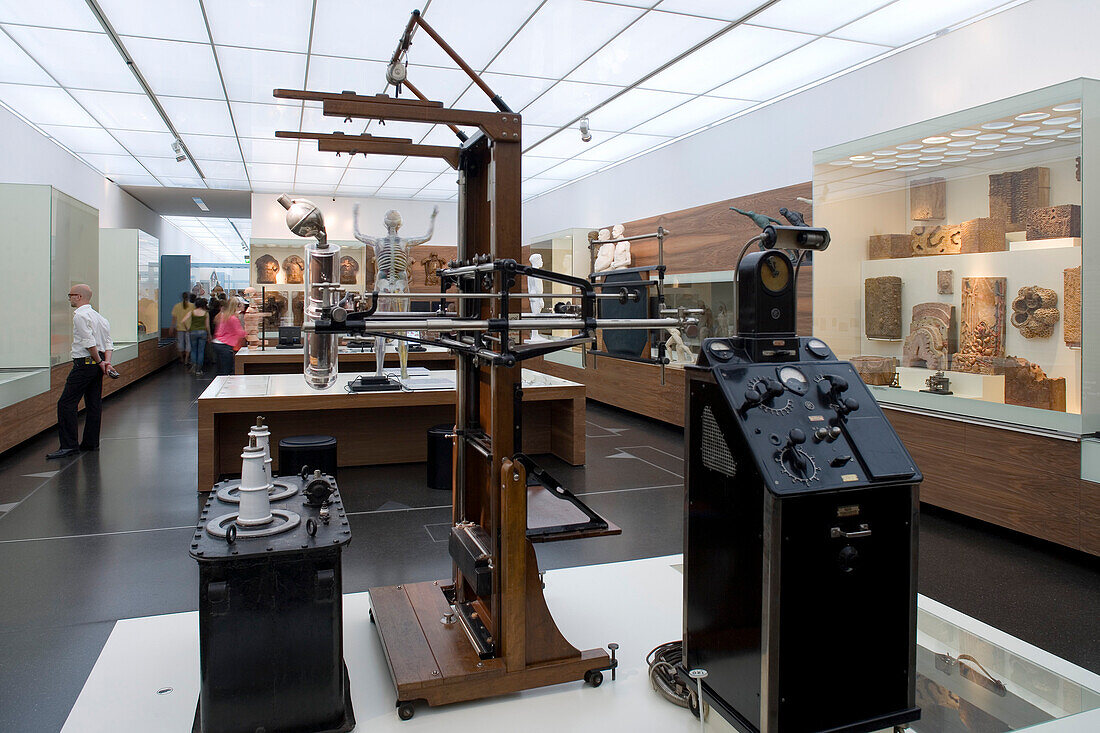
pixel 662 663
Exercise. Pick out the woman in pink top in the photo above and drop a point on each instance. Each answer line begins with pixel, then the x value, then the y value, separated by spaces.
pixel 229 335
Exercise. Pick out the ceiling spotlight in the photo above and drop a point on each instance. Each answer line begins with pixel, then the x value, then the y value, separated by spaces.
pixel 177 148
pixel 586 131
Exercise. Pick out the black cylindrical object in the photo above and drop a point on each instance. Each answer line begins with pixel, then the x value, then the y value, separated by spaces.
pixel 316 451
pixel 441 457
pixel 271 621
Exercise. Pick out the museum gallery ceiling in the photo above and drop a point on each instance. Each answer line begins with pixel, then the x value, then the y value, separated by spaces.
pixel 643 71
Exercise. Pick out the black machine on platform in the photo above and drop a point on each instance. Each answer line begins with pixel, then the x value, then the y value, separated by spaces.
pixel 800 524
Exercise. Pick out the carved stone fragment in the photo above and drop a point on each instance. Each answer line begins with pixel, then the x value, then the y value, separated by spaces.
pixel 931 338
pixel 1054 222
pixel 983 316
pixel 885 246
pixel 294 267
pixel 975 364
pixel 267 267
pixel 982 235
pixel 878 370
pixel 882 307
pixel 297 307
pixel 1015 193
pixel 1035 311
pixel 349 270
pixel 945 239
pixel 1071 304
pixel 945 282
pixel 928 199
pixel 1028 385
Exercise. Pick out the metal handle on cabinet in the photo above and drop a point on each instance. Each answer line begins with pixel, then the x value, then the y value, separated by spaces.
pixel 863 531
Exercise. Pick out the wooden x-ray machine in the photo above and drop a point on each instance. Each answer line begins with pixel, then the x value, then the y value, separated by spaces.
pixel 487 631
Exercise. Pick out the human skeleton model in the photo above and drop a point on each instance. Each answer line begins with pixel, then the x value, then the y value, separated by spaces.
pixel 605 254
pixel 536 285
pixel 391 261
pixel 621 258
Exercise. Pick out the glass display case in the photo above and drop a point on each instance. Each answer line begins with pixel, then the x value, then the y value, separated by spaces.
pixel 566 252
pixel 228 276
pixel 148 286
pixel 954 278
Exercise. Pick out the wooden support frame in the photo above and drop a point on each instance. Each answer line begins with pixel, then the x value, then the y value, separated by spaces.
pixel 368 144
pixel 429 660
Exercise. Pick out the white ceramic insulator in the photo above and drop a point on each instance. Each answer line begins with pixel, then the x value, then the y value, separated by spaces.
pixel 263 440
pixel 255 508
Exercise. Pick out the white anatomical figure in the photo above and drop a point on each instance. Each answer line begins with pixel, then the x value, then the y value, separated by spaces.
pixel 391 262
pixel 536 285
pixel 605 254
pixel 676 348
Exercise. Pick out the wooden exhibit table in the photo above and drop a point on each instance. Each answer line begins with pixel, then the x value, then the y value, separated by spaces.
pixel 289 361
pixel 370 427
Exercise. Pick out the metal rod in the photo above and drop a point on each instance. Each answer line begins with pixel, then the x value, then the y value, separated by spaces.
pixel 659 234
pixel 451 324
pixel 449 296
pixel 493 96
pixel 467 269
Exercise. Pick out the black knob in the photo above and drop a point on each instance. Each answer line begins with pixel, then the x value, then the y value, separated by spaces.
pixel 773 389
pixel 839 461
pixel 840 384
pixel 796 437
pixel 834 433
pixel 851 405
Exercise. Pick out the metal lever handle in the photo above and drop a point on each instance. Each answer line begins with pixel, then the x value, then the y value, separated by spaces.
pixel 863 531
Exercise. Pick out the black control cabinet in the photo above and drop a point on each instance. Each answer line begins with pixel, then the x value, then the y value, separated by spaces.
pixel 800 542
pixel 271 623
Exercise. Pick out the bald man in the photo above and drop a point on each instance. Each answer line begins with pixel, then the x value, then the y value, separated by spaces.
pixel 91 354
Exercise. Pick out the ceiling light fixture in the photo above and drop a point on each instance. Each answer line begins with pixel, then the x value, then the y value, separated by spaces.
pixel 178 150
pixel 586 131
pixel 200 203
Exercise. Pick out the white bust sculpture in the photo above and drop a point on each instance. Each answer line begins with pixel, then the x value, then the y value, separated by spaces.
pixel 621 258
pixel 536 285
pixel 606 253
pixel 676 349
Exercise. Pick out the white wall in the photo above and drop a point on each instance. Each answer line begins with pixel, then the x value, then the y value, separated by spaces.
pixel 26 156
pixel 269 218
pixel 1034 45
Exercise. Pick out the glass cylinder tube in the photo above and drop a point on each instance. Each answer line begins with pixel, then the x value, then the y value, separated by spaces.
pixel 320 350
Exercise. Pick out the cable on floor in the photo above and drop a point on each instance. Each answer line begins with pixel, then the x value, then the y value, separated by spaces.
pixel 662 663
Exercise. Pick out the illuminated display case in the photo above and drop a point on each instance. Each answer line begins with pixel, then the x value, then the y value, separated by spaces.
pixel 954 278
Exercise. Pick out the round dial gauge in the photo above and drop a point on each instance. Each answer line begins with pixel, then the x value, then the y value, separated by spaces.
pixel 793 379
pixel 775 273
pixel 720 350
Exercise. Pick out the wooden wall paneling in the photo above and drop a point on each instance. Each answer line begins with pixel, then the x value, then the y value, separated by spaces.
pixel 1090 517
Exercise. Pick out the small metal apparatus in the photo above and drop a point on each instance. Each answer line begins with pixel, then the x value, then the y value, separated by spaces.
pixel 938 383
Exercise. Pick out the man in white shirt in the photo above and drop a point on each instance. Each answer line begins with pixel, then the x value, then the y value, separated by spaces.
pixel 91 354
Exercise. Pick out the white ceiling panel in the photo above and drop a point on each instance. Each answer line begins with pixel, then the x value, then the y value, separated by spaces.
pixel 273 150
pixel 100 65
pixel 906 20
pixel 262 120
pixel 653 40
pixel 45 105
pixel 375 162
pixel 177 69
pixel 434 166
pixel 271 172
pixel 332 74
pixel 182 181
pixel 230 184
pixel 270 187
pixel 394 192
pixel 222 169
pixel 308 154
pixel 250 75
pixel 813 61
pixel 119 111
pixel 721 9
pixel 363 30
pixel 410 179
pixel 562 34
pixel 314 120
pixel 622 146
pixel 412 130
pixel 425 195
pixel 356 190
pixel 440 85
pixel 364 177
pixel 168 167
pixel 575 168
pixel 535 186
pixel 123 165
pixel 814 16
pixel 145 180
pixel 213 147
pixel 692 115
pixel 634 107
pixel 536 133
pixel 446 183
pixel 516 91
pixel 475 34
pixel 16 67
pixel 177 19
pixel 71 14
pixel 198 116
pixel 141 143
pixel 731 54
pixel 534 165
pixel 564 101
pixel 442 135
pixel 85 139
pixel 277 25
pixel 568 143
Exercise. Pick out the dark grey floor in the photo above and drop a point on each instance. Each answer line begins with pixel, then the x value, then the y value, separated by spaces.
pixel 87 541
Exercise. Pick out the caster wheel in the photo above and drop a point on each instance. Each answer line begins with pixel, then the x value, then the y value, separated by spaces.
pixel 405 710
pixel 693 704
pixel 371 613
pixel 593 677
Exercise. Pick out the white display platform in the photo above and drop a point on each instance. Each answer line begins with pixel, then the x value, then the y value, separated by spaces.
pixel 147 676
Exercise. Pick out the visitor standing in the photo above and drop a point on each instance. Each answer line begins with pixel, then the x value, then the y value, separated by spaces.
pixel 91 354
pixel 183 338
pixel 229 335
pixel 197 324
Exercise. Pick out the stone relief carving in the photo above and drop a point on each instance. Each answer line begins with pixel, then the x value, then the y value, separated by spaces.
pixel 1054 222
pixel 882 307
pixel 1035 311
pixel 1013 194
pixel 349 270
pixel 294 267
pixel 877 370
pixel 983 316
pixel 931 341
pixel 1028 385
pixel 267 268
pixel 928 199
pixel 1071 294
pixel 945 280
